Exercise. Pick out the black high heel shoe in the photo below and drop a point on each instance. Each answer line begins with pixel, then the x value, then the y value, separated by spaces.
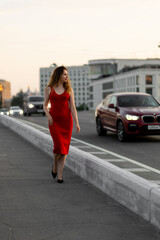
pixel 53 174
pixel 60 180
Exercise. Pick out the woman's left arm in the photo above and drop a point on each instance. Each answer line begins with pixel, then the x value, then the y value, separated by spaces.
pixel 74 111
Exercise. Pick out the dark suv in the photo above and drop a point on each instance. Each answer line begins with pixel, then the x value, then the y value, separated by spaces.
pixel 33 104
pixel 128 114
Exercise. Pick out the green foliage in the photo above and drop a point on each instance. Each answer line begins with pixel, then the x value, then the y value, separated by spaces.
pixel 18 99
pixel 82 107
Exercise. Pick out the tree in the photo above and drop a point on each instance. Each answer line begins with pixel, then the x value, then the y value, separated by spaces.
pixel 18 99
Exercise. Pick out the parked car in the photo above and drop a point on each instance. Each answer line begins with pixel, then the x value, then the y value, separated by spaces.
pixel 15 111
pixel 128 114
pixel 33 104
pixel 4 111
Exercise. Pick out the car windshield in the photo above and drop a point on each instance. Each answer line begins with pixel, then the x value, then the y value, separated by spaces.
pixel 3 110
pixel 15 108
pixel 36 99
pixel 137 101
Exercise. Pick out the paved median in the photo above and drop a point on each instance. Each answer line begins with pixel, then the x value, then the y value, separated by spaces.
pixel 135 193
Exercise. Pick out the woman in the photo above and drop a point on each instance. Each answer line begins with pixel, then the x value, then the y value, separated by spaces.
pixel 61 97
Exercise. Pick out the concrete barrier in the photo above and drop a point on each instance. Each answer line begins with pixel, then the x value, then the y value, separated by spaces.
pixel 137 194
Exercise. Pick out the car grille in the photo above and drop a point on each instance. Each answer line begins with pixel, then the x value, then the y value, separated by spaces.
pixel 39 106
pixel 158 118
pixel 148 119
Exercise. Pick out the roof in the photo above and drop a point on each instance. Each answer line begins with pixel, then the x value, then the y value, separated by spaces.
pixel 128 93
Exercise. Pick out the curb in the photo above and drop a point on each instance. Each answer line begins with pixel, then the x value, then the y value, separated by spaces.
pixel 137 194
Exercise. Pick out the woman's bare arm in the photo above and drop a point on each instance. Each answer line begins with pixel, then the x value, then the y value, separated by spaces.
pixel 45 105
pixel 74 111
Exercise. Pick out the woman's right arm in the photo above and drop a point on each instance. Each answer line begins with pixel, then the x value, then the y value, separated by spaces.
pixel 45 105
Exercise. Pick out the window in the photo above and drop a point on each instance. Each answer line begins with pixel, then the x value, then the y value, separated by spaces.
pixel 107 85
pixel 148 79
pixel 149 90
pixel 91 96
pixel 91 104
pixel 114 101
pixel 137 80
pixel 106 101
pixel 91 89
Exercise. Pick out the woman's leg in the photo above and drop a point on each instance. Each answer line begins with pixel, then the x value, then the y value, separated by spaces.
pixel 62 160
pixel 55 162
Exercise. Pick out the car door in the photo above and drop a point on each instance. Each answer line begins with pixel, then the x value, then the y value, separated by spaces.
pixel 112 113
pixel 103 110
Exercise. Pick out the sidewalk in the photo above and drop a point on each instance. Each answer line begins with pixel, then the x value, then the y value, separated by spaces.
pixel 34 207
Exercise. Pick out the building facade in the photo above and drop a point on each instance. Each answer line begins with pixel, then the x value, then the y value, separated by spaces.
pixel 5 93
pixel 44 76
pixel 141 79
pixel 80 83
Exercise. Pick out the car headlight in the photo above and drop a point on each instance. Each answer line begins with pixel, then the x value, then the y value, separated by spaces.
pixel 132 117
pixel 31 105
pixel 2 113
pixel 11 112
pixel 21 112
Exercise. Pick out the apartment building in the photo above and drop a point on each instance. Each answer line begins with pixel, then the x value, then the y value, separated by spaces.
pixel 145 78
pixel 44 76
pixel 79 81
pixel 5 93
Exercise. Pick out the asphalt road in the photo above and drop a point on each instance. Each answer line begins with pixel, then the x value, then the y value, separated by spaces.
pixel 142 149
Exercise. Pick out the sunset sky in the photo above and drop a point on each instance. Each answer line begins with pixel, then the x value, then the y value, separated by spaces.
pixel 37 33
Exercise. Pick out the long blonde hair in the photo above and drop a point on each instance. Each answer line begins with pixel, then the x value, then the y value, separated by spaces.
pixel 55 77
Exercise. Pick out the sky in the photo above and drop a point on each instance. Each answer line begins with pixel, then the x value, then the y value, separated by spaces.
pixel 37 33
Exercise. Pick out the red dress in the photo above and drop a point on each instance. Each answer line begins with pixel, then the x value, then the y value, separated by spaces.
pixel 61 129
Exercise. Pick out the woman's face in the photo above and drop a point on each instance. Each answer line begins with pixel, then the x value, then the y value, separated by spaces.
pixel 64 76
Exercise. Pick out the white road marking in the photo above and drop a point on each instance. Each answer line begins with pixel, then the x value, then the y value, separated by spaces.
pixel 155 181
pixel 114 160
pixel 97 152
pixel 136 169
pixel 120 156
pixel 105 151
pixel 82 146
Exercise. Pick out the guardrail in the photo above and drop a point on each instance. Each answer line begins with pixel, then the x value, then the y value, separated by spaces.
pixel 137 194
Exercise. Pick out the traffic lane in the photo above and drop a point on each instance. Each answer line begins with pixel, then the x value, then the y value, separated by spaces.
pixel 141 149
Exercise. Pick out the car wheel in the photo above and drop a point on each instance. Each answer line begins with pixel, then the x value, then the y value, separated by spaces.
pixel 121 132
pixel 100 130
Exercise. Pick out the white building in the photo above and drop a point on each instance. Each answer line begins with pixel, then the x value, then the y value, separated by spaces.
pixel 99 67
pixel 80 83
pixel 141 79
pixel 44 77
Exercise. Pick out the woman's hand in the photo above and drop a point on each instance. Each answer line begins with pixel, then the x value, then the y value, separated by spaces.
pixel 77 128
pixel 50 120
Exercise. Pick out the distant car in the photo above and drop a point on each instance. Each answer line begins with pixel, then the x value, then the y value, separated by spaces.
pixel 128 114
pixel 4 111
pixel 15 111
pixel 33 104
